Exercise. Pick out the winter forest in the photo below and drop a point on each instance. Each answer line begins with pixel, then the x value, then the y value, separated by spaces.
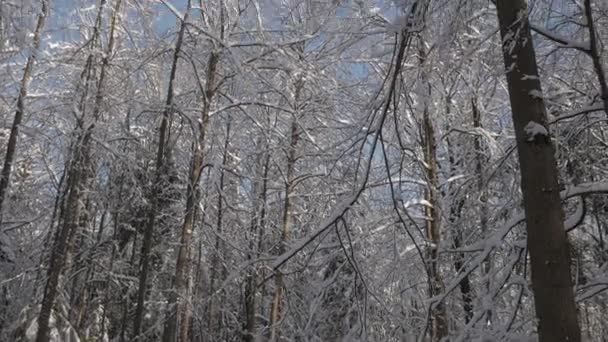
pixel 303 170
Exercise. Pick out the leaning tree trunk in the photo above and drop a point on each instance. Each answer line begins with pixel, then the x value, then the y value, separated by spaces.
pixel 25 81
pixel 157 185
pixel 547 241
pixel 9 157
pixel 77 177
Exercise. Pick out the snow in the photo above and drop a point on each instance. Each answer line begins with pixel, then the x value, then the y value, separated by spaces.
pixel 529 77
pixel 563 41
pixel 173 9
pixel 338 212
pixel 534 129
pixel 535 93
pixel 582 111
pixel 423 202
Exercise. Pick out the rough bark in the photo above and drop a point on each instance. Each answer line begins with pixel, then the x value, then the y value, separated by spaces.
pixel 158 182
pixel 546 238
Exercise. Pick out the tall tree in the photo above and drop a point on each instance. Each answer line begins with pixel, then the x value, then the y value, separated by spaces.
pixel 180 309
pixel 78 173
pixel 546 236
pixel 9 157
pixel 159 179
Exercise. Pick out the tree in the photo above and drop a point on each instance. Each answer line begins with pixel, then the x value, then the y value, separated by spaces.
pixel 23 88
pixel 159 181
pixel 546 236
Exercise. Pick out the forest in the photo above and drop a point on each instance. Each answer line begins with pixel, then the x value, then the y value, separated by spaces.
pixel 303 170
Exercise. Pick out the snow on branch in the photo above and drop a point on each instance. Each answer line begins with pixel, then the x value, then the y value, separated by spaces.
pixel 582 111
pixel 338 212
pixel 174 10
pixel 563 41
pixel 486 246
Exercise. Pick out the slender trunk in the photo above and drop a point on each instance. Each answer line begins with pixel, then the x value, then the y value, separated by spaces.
pixel 480 161
pixel 77 179
pixel 432 211
pixel 456 205
pixel 258 222
pixel 179 303
pixel 9 157
pixel 546 239
pixel 465 285
pixel 595 54
pixel 157 186
pixel 433 228
pixel 277 301
pixel 217 269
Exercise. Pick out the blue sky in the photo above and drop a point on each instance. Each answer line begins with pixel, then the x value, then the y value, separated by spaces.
pixel 64 13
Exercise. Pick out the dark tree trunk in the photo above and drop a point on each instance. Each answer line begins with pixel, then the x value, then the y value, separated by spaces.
pixel 547 241
pixel 25 81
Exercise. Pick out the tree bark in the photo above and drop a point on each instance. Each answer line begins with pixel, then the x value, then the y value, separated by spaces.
pixel 480 160
pixel 594 53
pixel 9 157
pixel 158 181
pixel 217 265
pixel 433 229
pixel 11 146
pixel 258 222
pixel 179 304
pixel 277 300
pixel 78 174
pixel 432 211
pixel 546 238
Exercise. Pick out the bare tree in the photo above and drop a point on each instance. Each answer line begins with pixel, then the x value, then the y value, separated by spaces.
pixel 9 157
pixel 161 159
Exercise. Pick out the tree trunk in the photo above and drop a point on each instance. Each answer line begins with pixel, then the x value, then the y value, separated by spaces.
pixel 595 54
pixel 480 160
pixel 77 180
pixel 277 300
pixel 179 303
pixel 25 81
pixel 258 222
pixel 546 238
pixel 433 229
pixel 157 186
pixel 217 267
